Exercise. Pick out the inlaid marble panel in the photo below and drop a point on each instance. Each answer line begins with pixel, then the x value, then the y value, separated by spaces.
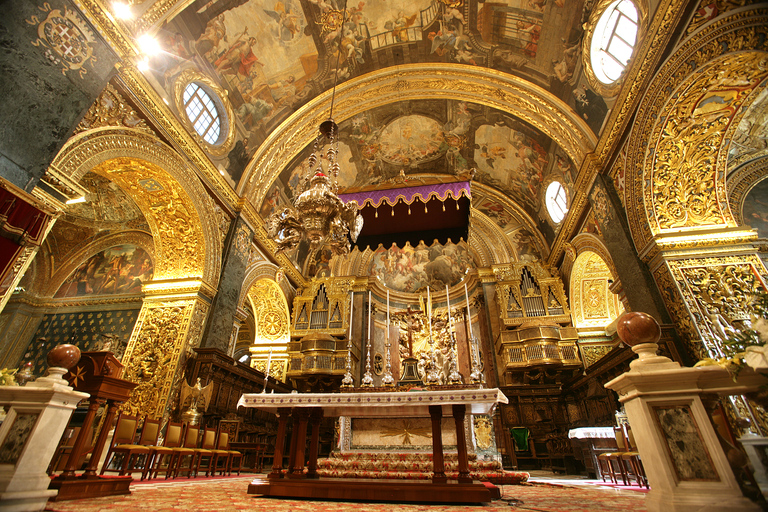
pixel 685 446
pixel 17 437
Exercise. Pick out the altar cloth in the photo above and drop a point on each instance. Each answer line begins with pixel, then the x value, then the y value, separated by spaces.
pixel 377 405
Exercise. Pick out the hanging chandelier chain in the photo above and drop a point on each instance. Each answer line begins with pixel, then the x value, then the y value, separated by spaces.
pixel 338 58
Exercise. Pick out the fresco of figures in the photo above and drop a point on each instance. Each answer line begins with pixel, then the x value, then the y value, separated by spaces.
pixel 118 270
pixel 273 56
pixel 755 212
pixel 412 269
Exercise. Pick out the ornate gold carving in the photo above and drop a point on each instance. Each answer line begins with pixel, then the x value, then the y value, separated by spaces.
pixel 226 114
pixel 448 81
pixel 594 305
pixel 741 181
pixel 685 191
pixel 170 213
pixel 270 312
pixel 111 109
pixel 521 304
pixel 483 431
pixel 593 353
pixel 708 9
pixel 153 354
pixel 185 193
pixel 732 33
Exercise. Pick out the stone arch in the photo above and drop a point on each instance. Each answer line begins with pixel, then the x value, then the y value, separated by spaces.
pixel 741 181
pixel 263 270
pixel 140 239
pixel 677 152
pixel 479 85
pixel 180 213
pixel 593 305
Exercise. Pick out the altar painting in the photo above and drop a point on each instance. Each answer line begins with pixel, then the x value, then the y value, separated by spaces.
pixel 118 270
pixel 413 269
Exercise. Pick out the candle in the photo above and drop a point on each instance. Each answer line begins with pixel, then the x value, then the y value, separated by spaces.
pixel 269 362
pixel 448 302
pixel 469 318
pixel 387 316
pixel 351 300
pixel 369 314
pixel 429 314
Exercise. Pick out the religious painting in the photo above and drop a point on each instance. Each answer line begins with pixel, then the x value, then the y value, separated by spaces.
pixel 121 269
pixel 496 212
pixel 512 160
pixel 525 245
pixel 320 264
pixel 755 212
pixel 411 270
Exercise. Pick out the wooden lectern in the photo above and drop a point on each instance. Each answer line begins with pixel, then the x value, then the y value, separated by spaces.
pixel 97 373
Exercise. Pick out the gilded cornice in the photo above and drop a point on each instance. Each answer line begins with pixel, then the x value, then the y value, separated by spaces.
pixel 588 242
pixel 488 240
pixel 667 16
pixel 478 85
pixel 159 11
pixel 78 304
pixel 173 289
pixel 153 104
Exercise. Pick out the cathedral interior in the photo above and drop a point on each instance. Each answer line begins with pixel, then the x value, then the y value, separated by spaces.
pixel 526 171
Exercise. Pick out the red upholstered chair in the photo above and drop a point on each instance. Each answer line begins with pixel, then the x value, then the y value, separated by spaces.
pixel 162 458
pixel 125 432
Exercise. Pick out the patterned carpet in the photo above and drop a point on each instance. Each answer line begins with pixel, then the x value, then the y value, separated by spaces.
pixel 229 494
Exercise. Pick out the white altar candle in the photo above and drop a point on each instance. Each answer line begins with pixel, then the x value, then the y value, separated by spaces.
pixel 469 318
pixel 269 362
pixel 387 316
pixel 428 312
pixel 448 302
pixel 369 315
pixel 351 300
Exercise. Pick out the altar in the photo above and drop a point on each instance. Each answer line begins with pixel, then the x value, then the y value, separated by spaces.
pixel 306 409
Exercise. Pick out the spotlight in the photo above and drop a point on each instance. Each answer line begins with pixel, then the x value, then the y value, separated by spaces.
pixel 148 45
pixel 143 65
pixel 122 11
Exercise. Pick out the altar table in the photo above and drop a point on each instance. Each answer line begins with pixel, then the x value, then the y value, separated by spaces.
pixel 308 408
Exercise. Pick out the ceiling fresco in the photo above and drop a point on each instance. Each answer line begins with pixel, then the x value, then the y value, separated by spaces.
pixel 271 57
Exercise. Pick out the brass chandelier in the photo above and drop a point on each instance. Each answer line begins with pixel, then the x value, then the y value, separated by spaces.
pixel 318 215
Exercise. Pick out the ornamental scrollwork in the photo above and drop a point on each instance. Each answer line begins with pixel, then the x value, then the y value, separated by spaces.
pixel 153 355
pixel 683 186
pixel 111 109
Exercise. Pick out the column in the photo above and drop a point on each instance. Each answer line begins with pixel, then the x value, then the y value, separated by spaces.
pixel 169 325
pixel 237 247
pixel 459 412
pixel 277 461
pixel 436 413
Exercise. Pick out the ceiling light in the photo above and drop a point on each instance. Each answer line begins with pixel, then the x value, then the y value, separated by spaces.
pixel 148 45
pixel 76 200
pixel 122 11
pixel 143 65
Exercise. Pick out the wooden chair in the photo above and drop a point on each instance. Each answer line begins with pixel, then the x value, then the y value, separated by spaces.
pixel 234 455
pixel 187 449
pixel 221 453
pixel 148 440
pixel 632 457
pixel 125 432
pixel 206 450
pixel 616 459
pixel 66 443
pixel 164 454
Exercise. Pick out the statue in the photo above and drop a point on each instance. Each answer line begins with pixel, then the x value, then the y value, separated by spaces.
pixel 196 396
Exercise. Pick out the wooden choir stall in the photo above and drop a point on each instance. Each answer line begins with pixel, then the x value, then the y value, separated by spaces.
pixel 306 410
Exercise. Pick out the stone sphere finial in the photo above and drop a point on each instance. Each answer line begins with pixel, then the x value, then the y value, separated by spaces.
pixel 635 328
pixel 63 356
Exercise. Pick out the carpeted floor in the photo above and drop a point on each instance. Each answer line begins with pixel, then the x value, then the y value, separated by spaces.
pixel 229 494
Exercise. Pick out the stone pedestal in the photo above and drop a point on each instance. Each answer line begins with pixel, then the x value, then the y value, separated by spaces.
pixel 686 467
pixel 37 416
pixel 757 451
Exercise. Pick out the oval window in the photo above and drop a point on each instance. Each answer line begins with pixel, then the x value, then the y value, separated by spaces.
pixel 556 201
pixel 202 113
pixel 614 41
